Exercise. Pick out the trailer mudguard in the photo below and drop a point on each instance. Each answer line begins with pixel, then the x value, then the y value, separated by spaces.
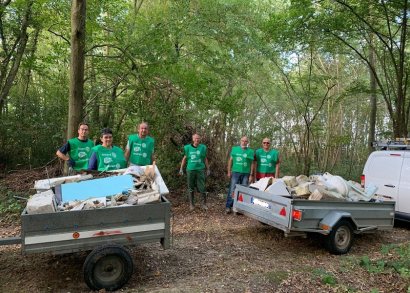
pixel 331 219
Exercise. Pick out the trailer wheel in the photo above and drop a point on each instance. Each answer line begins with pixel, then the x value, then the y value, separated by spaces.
pixel 108 267
pixel 340 238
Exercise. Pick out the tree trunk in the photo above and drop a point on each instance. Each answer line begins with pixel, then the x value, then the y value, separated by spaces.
pixel 75 104
pixel 20 45
pixel 373 105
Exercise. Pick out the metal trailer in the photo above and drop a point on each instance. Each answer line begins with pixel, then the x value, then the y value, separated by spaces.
pixel 105 231
pixel 337 220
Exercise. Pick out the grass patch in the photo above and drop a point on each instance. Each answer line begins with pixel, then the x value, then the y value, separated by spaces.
pixel 276 277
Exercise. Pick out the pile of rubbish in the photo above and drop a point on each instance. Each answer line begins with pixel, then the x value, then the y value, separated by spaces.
pixel 316 187
pixel 93 190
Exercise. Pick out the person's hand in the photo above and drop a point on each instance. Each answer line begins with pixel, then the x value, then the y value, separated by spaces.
pixel 71 162
pixel 208 172
pixel 181 172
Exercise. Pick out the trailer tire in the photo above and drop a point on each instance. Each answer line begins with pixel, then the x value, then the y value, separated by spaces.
pixel 340 239
pixel 108 267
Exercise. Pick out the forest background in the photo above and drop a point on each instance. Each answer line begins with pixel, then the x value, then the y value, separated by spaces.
pixel 322 79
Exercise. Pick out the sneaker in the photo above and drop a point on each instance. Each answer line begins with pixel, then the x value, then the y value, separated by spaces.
pixel 228 210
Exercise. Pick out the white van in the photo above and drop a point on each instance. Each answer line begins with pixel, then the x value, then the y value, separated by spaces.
pixel 390 172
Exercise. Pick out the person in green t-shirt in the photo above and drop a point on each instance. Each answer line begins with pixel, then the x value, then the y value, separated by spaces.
pixel 106 156
pixel 140 147
pixel 240 168
pixel 267 161
pixel 195 155
pixel 77 151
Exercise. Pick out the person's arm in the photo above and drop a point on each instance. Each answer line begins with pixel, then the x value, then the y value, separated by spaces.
pixel 62 156
pixel 183 162
pixel 62 153
pixel 93 163
pixel 152 158
pixel 181 170
pixel 127 152
pixel 229 167
pixel 252 175
pixel 277 169
pixel 206 163
pixel 255 166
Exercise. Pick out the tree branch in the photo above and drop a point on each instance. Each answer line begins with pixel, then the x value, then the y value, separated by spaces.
pixel 58 35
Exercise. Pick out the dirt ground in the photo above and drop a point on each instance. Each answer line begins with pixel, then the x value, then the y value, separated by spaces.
pixel 215 252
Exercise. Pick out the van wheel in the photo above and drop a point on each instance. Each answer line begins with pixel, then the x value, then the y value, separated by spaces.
pixel 340 238
pixel 108 267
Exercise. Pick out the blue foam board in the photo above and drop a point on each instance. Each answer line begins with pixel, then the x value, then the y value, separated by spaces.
pixel 96 187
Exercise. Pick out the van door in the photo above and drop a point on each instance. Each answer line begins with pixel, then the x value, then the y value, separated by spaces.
pixel 403 201
pixel 383 169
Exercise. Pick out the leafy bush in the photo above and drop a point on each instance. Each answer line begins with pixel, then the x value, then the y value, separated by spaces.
pixel 10 207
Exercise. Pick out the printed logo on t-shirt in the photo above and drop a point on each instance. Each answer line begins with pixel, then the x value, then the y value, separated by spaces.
pixel 107 160
pixel 239 159
pixel 113 155
pixel 193 157
pixel 144 155
pixel 198 152
pixel 263 160
pixel 118 165
pixel 144 145
pixel 268 156
pixel 245 164
pixel 270 164
pixel 82 154
pixel 137 149
pixel 245 155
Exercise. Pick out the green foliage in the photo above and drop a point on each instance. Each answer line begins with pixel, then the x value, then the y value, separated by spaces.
pixel 10 207
pixel 221 68
pixel 327 277
pixel 372 266
pixel 397 259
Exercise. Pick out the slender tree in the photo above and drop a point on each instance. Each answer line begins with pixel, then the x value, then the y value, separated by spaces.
pixel 13 46
pixel 76 93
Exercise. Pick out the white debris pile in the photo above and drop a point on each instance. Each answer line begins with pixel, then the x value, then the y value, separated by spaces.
pixel 43 202
pixel 131 186
pixel 316 187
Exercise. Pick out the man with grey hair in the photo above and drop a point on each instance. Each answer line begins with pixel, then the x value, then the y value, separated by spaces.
pixel 195 155
pixel 240 168
pixel 140 147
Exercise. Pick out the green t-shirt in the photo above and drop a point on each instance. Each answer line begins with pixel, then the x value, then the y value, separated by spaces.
pixel 141 149
pixel 80 152
pixel 242 159
pixel 195 156
pixel 110 159
pixel 266 161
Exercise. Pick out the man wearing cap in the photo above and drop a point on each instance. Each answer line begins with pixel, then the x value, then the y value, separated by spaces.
pixel 77 151
pixel 140 147
pixel 195 155
pixel 266 161
pixel 240 168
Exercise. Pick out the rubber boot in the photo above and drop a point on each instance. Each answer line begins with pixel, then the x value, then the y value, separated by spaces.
pixel 191 201
pixel 204 201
